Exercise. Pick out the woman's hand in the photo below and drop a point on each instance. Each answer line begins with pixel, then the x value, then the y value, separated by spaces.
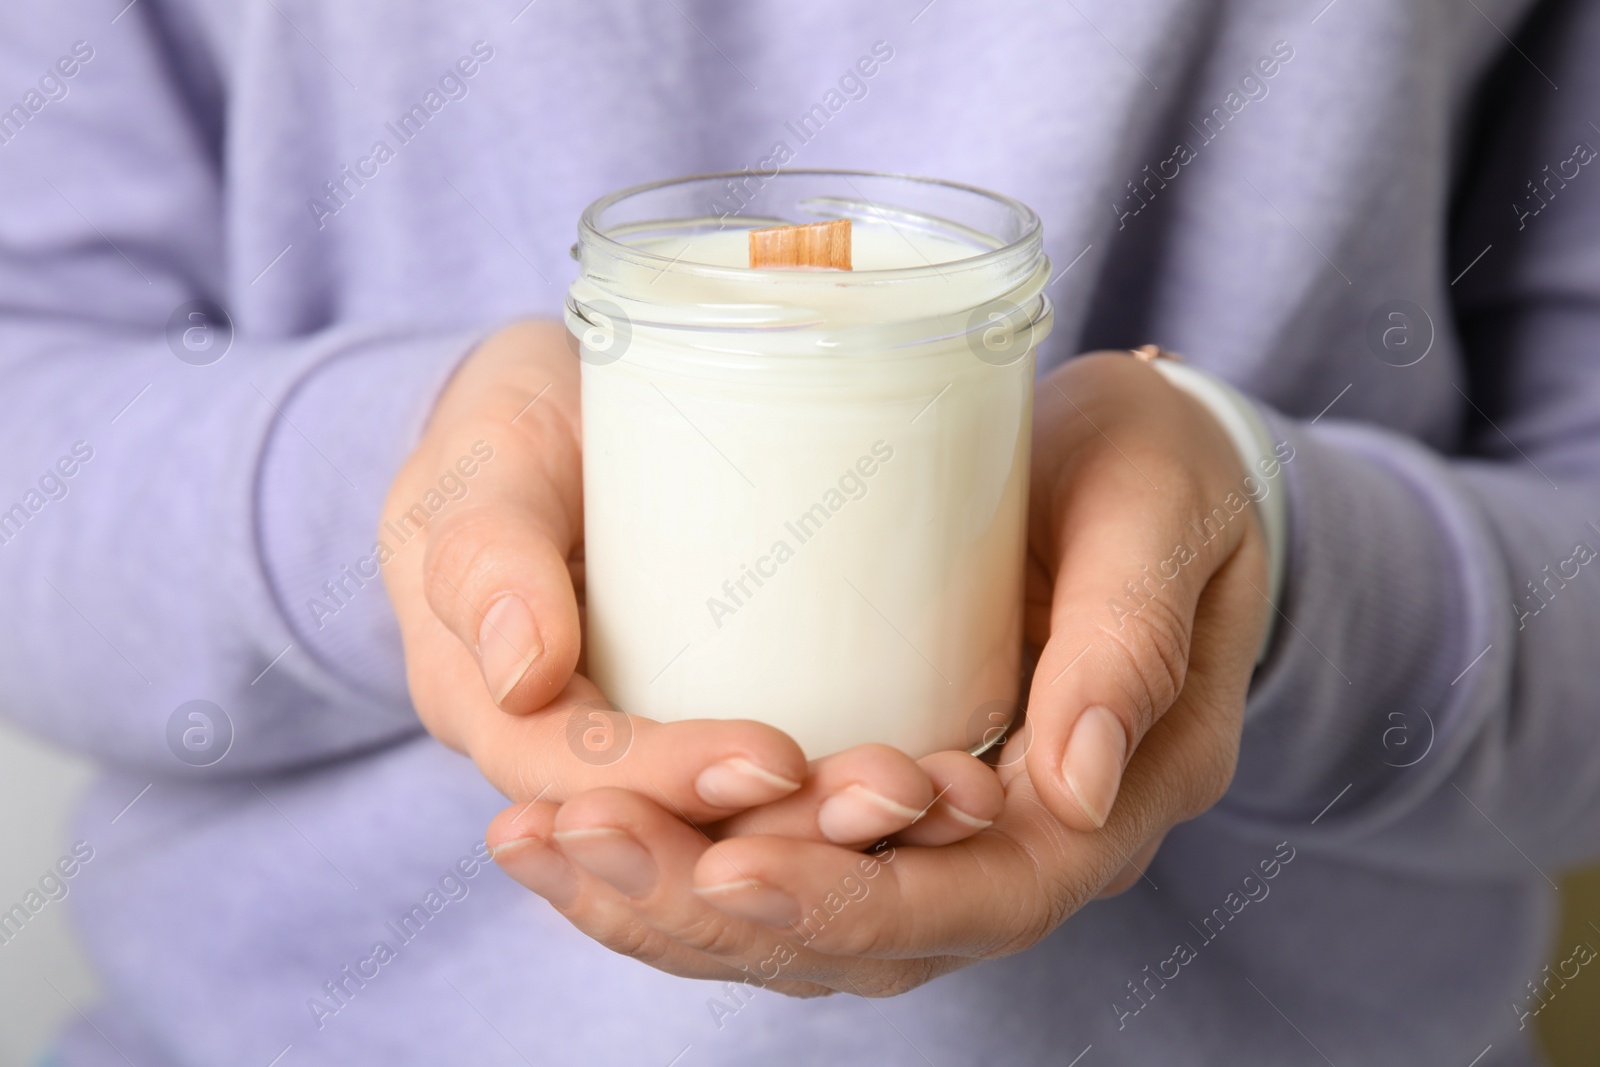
pixel 488 587
pixel 1133 726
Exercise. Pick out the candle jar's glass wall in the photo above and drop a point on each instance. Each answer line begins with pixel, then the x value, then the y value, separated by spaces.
pixel 805 492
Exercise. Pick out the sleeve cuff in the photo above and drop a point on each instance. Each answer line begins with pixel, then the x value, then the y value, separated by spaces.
pixel 343 430
pixel 1257 452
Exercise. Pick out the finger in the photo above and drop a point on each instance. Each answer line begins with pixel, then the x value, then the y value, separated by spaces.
pixel 496 575
pixel 992 894
pixel 1136 537
pixel 967 899
pixel 647 858
pixel 968 798
pixel 579 741
pixel 521 840
pixel 705 769
pixel 635 896
pixel 493 552
pixel 868 793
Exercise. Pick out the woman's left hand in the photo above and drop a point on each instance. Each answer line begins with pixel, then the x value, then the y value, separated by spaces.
pixel 1148 593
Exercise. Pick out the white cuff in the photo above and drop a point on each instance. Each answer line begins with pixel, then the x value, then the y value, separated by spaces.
pixel 1251 439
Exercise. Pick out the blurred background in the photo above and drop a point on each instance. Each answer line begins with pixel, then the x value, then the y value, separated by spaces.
pixel 38 787
pixel 44 979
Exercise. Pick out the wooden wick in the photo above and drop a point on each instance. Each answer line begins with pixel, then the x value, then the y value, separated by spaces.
pixel 815 245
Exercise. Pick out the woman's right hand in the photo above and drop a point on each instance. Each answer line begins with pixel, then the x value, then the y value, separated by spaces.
pixel 489 595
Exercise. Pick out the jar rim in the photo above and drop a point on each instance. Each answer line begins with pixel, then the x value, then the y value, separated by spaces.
pixel 589 229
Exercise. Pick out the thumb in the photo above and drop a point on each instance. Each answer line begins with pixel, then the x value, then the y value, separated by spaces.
pixel 1142 537
pixel 1122 626
pixel 496 575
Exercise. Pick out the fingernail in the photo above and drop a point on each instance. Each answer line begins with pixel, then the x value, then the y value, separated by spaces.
pixel 508 643
pixel 1093 763
pixel 539 867
pixel 738 783
pixel 962 817
pixel 612 856
pixel 856 813
pixel 751 900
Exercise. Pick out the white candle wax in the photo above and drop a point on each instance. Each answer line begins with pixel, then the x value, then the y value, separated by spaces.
pixel 813 523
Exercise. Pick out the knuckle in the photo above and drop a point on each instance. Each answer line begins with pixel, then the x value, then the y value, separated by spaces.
pixel 1153 647
pixel 460 555
pixel 891 979
pixel 715 935
pixel 634 939
pixel 867 935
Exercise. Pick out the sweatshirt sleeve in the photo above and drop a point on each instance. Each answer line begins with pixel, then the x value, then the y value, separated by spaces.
pixel 1430 700
pixel 174 484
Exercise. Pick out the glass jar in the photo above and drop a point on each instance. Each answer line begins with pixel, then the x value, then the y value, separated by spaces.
pixel 805 491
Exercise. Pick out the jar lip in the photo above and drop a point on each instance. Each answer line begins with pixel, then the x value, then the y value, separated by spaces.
pixel 589 229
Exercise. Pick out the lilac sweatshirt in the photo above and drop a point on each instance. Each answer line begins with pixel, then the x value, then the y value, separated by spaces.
pixel 1376 218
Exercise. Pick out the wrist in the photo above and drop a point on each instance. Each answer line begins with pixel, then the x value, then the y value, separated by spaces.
pixel 1259 456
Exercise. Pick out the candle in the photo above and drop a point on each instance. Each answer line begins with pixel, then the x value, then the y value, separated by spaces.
pixel 805 492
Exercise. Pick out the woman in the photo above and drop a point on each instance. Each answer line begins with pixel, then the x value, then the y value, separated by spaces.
pixel 1375 221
